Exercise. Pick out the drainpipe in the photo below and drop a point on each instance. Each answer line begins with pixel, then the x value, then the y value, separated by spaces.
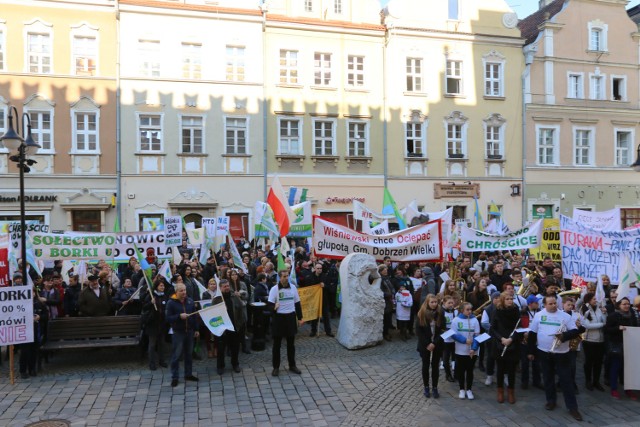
pixel 265 105
pixel 118 124
pixel 528 60
pixel 384 104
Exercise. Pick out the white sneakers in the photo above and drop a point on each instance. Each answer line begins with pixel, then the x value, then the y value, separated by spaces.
pixel 462 394
pixel 489 380
pixel 470 395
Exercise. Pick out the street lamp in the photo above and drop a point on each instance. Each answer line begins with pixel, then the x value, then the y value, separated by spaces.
pixel 24 147
pixel 636 165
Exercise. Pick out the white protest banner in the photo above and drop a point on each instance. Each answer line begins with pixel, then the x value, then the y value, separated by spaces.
pixel 602 221
pixel 301 226
pixel 173 231
pixel 419 243
pixel 382 228
pixel 16 315
pixel 591 253
pixel 363 213
pixel 222 225
pixel 478 241
pixel 631 342
pixel 118 247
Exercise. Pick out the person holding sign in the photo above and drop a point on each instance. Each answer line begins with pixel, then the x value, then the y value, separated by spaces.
pixel 465 328
pixel 285 301
pixel 430 324
pixel 29 351
pixel 617 322
pixel 229 339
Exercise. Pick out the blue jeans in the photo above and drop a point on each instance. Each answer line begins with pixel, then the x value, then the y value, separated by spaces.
pixel 560 364
pixel 181 343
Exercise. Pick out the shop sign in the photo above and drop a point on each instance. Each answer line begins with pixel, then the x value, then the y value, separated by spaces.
pixel 441 191
pixel 32 198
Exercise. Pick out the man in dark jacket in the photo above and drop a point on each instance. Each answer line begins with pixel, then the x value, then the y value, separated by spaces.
pixel 184 331
pixel 319 278
pixel 230 339
pixel 94 300
pixel 71 297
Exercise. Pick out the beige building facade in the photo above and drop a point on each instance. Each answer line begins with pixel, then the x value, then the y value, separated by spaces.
pixel 58 65
pixel 582 109
pixel 453 105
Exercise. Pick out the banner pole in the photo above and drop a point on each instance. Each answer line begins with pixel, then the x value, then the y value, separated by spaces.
pixel 12 378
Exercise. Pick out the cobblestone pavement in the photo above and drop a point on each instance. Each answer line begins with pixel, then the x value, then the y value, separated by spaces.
pixel 379 386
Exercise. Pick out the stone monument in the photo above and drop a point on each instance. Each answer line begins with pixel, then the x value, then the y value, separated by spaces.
pixel 362 302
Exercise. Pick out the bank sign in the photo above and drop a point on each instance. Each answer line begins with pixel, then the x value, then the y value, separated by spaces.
pixel 95 246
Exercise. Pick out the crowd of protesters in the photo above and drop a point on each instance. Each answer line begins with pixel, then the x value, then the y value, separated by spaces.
pixel 533 330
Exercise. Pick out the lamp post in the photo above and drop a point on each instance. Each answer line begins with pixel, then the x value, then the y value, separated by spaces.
pixel 23 147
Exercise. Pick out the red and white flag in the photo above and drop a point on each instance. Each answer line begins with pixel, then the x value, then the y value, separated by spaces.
pixel 279 203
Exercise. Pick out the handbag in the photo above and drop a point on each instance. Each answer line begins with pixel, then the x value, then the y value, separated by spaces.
pixel 615 349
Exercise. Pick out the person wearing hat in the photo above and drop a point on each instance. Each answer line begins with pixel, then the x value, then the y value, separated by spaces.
pixel 17 279
pixel 71 297
pixel 94 300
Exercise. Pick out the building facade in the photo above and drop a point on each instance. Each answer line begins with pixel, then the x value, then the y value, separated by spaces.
pixel 454 102
pixel 192 111
pixel 582 109
pixel 58 66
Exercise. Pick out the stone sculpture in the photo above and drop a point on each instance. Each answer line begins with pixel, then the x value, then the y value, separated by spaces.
pixel 362 302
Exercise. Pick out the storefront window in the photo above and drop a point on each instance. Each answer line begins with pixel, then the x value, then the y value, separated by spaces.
pixel 151 221
pixel 86 220
pixel 630 217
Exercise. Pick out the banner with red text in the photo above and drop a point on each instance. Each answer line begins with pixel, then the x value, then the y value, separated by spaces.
pixel 420 243
pixel 478 241
pixel 16 315
pixel 591 253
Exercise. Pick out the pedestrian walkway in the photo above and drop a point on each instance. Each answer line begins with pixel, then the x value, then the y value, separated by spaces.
pixel 379 386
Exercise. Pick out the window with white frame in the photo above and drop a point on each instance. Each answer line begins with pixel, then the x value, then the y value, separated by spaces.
pixel 288 66
pixel 3 53
pixel 455 142
pixel 337 7
pixel 191 60
pixel 150 132
pixel 597 87
pixel 453 77
pixel 415 139
pixel 357 139
pixel 454 10
pixel 308 5
pixel 414 75
pixel 597 32
pixel 235 63
pixel 323 137
pixel 355 70
pixel 575 85
pixel 624 147
pixel 493 79
pixel 583 147
pixel 39 52
pixel 547 145
pixel 492 140
pixel 619 88
pixel 192 134
pixel 236 135
pixel 149 56
pixel 85 55
pixel 3 123
pixel 290 136
pixel 86 132
pixel 42 129
pixel 595 41
pixel 322 68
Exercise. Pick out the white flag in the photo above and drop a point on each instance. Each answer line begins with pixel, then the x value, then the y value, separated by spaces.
pixel 196 235
pixel 600 295
pixel 165 270
pixel 217 319
pixel 177 257
pixel 627 276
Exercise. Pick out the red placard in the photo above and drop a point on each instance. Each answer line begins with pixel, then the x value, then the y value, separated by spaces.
pixel 4 267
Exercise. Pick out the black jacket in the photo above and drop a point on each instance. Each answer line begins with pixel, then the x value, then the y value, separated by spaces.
pixel 502 325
